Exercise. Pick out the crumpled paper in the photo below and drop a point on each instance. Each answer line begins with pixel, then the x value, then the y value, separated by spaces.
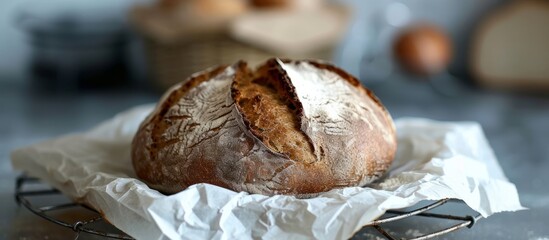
pixel 435 160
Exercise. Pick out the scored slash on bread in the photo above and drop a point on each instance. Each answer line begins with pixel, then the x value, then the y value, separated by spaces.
pixel 269 105
pixel 289 127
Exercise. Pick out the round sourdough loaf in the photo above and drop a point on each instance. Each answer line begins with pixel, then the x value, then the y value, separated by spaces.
pixel 289 127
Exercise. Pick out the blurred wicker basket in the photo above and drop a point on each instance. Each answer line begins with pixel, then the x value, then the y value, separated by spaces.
pixel 175 52
pixel 173 62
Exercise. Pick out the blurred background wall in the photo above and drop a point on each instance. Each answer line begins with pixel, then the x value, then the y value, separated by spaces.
pixel 13 51
pixel 458 19
pixel 15 47
pixel 160 42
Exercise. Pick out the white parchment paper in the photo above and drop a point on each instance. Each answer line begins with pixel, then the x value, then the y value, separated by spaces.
pixel 435 160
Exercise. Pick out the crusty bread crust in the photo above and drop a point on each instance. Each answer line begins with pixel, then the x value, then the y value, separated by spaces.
pixel 293 127
pixel 271 110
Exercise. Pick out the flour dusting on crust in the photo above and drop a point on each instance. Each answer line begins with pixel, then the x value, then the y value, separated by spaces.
pixel 330 103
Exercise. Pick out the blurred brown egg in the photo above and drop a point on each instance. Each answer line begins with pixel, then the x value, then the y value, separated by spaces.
pixel 423 50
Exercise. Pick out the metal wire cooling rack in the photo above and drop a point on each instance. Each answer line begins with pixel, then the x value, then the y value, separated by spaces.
pixel 23 197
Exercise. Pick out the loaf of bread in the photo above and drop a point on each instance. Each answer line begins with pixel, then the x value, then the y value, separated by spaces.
pixel 510 48
pixel 288 127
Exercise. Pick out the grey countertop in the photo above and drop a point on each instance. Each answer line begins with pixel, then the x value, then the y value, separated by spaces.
pixel 517 127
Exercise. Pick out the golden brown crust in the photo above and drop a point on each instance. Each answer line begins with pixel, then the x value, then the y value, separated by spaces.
pixel 270 109
pixel 263 132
